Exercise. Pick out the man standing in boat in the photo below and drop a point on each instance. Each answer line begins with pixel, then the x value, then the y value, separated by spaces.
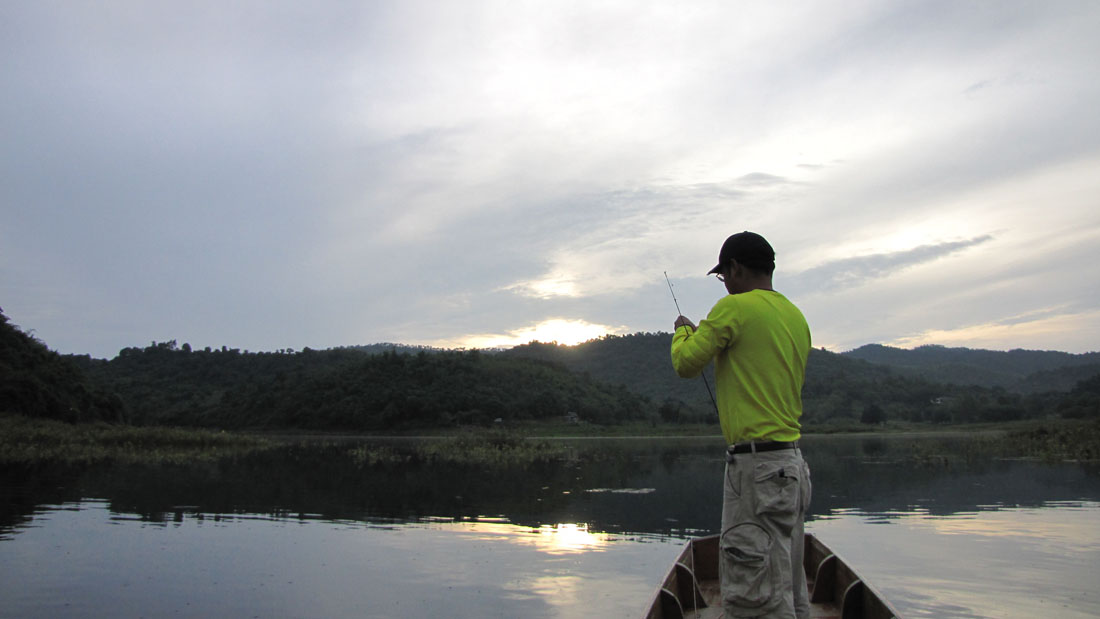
pixel 759 342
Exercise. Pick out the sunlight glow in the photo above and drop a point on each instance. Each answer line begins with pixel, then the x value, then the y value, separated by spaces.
pixel 560 330
pixel 568 332
pixel 567 538
pixel 561 590
pixel 558 588
pixel 555 539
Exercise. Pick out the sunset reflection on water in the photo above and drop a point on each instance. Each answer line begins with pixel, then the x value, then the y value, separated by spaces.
pixel 278 566
pixel 563 538
pixel 566 538
pixel 589 536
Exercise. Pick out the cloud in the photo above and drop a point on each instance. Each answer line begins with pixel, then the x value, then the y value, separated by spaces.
pixel 976 86
pixel 264 175
pixel 552 285
pixel 761 179
pixel 1049 329
pixel 615 242
pixel 852 272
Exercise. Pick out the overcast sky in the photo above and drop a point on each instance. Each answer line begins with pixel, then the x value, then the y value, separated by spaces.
pixel 269 175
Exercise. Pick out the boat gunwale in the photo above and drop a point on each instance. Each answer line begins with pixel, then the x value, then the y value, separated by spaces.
pixel 857 597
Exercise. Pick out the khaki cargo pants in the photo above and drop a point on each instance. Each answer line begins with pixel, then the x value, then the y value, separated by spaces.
pixel 765 500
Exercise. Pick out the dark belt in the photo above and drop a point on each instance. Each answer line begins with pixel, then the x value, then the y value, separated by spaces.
pixel 744 448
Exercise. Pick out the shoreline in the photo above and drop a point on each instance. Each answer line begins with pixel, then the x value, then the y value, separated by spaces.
pixel 26 439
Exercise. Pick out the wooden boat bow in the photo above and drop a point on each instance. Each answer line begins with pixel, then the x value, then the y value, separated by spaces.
pixel 691 588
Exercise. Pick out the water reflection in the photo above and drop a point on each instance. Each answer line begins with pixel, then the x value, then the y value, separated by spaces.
pixel 569 538
pixel 916 514
pixel 81 560
pixel 553 539
pixel 1006 562
pixel 664 487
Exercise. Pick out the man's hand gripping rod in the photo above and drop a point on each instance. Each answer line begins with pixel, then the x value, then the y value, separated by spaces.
pixel 703 374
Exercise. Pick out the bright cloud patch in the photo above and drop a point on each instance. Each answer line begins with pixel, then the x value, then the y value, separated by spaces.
pixel 567 332
pixel 546 288
pixel 1062 331
pixel 850 272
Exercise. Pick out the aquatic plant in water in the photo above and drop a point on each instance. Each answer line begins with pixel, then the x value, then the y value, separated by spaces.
pixel 23 439
pixel 494 447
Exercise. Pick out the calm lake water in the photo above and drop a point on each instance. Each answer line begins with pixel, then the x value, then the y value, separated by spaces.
pixel 310 531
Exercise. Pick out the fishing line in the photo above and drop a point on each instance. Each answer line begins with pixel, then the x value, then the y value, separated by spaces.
pixel 691 546
pixel 704 375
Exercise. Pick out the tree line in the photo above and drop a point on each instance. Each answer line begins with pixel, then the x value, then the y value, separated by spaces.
pixel 380 388
pixel 38 382
pixel 350 390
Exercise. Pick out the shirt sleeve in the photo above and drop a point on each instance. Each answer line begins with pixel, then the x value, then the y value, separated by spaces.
pixel 693 350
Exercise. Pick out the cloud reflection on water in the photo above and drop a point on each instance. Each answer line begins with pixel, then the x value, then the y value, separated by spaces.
pixel 1001 562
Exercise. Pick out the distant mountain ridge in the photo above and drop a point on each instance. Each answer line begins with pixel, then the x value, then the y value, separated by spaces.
pixel 929 384
pixel 1020 371
pixel 641 363
pixel 623 359
pixel 608 380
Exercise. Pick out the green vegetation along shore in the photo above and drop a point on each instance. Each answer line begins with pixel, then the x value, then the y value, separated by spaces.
pixel 611 386
pixel 25 439
pixel 1063 440
pixel 28 440
pixel 487 448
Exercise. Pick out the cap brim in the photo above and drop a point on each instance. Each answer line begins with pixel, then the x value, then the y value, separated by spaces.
pixel 717 267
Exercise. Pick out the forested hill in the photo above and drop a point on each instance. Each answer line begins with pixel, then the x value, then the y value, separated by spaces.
pixel 843 386
pixel 39 382
pixel 640 362
pixel 609 380
pixel 350 390
pixel 1021 371
pixel 835 386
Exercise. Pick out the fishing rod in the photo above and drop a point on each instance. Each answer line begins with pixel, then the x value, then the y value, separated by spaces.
pixel 703 374
pixel 694 589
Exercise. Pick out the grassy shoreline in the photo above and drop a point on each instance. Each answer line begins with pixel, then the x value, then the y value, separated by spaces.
pixel 24 439
pixel 557 430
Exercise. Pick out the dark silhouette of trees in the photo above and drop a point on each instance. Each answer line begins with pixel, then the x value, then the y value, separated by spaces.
pixel 872 414
pixel 350 390
pixel 392 388
pixel 38 382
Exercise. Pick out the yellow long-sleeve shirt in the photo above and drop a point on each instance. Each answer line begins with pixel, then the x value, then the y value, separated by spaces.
pixel 759 342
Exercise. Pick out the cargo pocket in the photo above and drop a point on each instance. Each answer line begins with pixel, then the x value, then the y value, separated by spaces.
pixel 807 488
pixel 733 479
pixel 746 562
pixel 777 492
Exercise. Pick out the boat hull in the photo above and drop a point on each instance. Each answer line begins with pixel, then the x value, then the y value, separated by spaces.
pixel 691 588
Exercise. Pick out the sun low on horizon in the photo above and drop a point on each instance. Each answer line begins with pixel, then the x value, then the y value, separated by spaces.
pixel 568 332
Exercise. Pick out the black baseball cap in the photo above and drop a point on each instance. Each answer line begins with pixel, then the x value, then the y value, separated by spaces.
pixel 749 249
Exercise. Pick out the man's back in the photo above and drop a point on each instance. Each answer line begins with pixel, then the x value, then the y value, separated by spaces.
pixel 759 342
